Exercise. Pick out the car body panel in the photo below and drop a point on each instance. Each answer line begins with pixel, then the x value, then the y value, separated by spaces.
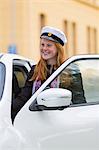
pixel 51 130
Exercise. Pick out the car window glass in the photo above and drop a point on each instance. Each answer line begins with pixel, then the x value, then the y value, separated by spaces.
pixel 82 79
pixel 2 78
pixel 19 78
pixel 90 75
pixel 21 75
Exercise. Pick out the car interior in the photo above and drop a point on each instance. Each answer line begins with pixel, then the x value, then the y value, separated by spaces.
pixel 19 78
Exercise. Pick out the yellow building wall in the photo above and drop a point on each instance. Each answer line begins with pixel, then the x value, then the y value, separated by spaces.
pixel 20 23
pixel 5 24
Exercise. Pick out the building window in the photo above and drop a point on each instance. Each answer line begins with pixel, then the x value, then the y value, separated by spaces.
pixel 88 39
pixel 95 39
pixel 66 33
pixel 74 37
pixel 42 20
pixel 70 31
pixel 92 40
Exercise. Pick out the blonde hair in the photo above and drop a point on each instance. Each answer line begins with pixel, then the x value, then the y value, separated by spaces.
pixel 40 71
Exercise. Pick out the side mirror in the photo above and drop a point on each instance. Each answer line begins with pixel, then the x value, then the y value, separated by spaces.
pixel 54 97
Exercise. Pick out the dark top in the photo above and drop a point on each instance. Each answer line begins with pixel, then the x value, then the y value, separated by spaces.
pixel 76 88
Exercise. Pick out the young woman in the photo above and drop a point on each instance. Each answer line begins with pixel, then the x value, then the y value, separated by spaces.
pixel 52 41
pixel 52 54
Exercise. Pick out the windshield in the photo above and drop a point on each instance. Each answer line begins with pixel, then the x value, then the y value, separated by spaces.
pixel 2 78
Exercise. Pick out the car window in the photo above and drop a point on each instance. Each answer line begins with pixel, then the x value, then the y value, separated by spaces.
pixel 2 78
pixel 82 79
pixel 71 79
pixel 21 74
pixel 90 75
pixel 19 78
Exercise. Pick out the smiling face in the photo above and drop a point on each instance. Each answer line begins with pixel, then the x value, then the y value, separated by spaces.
pixel 48 51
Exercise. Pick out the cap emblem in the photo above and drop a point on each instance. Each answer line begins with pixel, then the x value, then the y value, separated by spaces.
pixel 49 34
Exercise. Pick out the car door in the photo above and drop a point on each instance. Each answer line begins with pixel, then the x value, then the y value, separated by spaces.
pixel 74 127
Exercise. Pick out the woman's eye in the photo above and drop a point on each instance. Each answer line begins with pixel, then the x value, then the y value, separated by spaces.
pixel 49 45
pixel 42 44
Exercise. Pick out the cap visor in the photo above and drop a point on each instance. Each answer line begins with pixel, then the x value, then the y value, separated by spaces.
pixel 48 38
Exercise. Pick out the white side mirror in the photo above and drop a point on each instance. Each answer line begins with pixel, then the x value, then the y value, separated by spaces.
pixel 54 97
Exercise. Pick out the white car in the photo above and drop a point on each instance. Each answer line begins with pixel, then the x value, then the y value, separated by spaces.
pixel 53 118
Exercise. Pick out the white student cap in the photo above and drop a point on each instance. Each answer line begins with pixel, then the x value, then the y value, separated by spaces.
pixel 53 34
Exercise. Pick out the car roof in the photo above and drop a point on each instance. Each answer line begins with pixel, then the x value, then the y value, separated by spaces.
pixel 15 56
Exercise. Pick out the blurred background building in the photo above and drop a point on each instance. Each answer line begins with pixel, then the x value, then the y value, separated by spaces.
pixel 22 20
